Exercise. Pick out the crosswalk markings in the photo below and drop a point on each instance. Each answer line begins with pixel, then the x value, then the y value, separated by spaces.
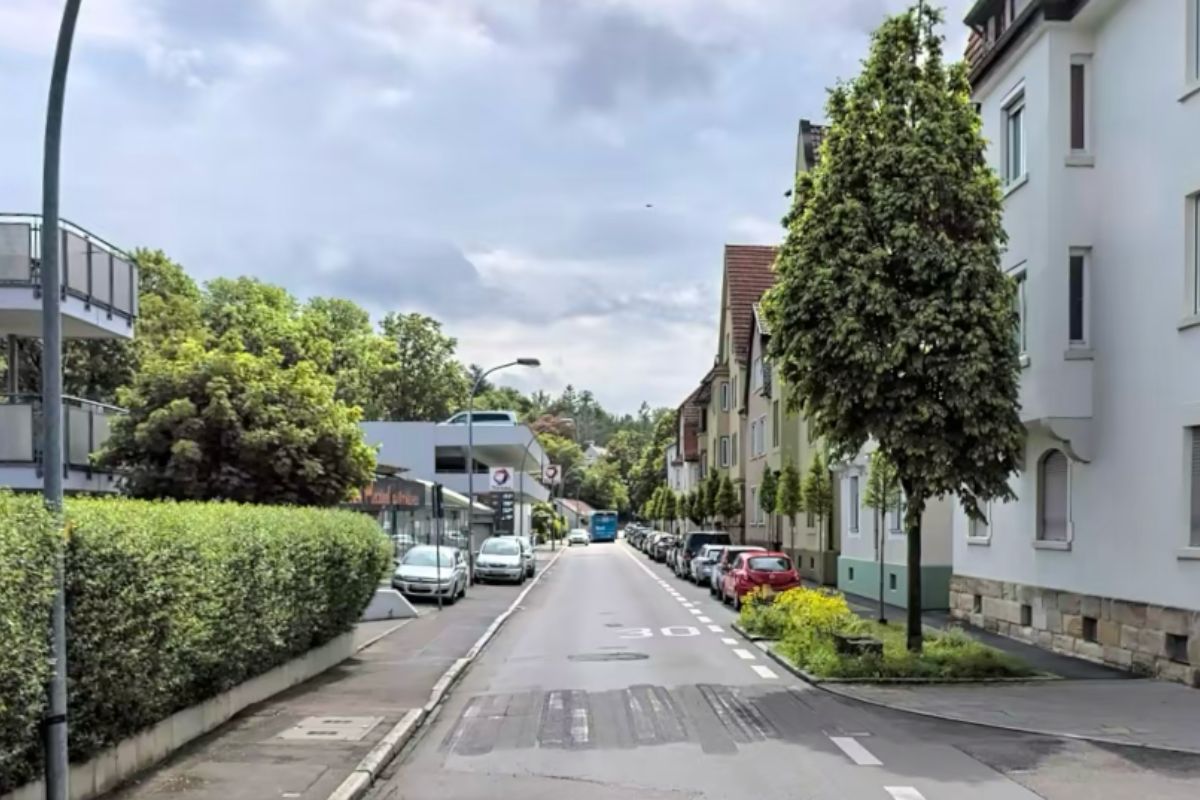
pixel 716 629
pixel 695 611
pixel 744 655
pixel 856 752
pixel 764 672
pixel 903 793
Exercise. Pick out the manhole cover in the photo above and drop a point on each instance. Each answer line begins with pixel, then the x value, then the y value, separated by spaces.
pixel 607 657
pixel 330 729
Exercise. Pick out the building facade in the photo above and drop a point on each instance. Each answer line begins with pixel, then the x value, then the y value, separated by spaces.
pixel 1092 114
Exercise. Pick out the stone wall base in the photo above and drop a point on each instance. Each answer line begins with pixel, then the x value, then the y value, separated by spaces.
pixel 1140 637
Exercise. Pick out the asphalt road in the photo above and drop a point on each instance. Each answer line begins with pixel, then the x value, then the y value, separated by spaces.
pixel 619 681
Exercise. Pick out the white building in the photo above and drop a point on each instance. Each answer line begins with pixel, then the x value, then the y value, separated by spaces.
pixel 99 301
pixel 1092 112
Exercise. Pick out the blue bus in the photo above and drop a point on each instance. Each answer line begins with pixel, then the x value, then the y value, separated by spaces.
pixel 603 526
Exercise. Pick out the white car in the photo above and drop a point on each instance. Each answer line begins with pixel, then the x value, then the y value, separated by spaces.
pixel 578 536
pixel 483 418
pixel 427 571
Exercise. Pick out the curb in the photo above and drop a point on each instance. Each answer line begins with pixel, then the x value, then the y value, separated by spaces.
pixel 368 769
pixel 839 691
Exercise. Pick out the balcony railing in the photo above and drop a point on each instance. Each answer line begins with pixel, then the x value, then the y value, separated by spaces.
pixel 85 429
pixel 92 270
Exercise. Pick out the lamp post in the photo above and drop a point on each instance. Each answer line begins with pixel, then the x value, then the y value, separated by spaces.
pixel 55 722
pixel 520 362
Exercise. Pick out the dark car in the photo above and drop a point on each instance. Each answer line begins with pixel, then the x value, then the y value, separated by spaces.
pixel 689 547
pixel 724 560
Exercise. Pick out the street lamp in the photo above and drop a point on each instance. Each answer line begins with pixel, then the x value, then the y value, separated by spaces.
pixel 520 362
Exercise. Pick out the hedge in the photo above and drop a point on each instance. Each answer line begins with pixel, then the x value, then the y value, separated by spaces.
pixel 172 603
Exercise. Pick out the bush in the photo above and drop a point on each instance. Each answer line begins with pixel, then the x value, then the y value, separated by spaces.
pixel 27 551
pixel 172 603
pixel 797 611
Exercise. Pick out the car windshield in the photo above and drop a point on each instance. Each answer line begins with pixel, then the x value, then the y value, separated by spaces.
pixel 427 557
pixel 501 547
pixel 770 564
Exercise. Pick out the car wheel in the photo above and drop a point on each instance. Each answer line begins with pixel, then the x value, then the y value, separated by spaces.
pixel 737 603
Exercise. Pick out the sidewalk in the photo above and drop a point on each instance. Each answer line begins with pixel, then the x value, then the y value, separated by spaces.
pixel 1092 701
pixel 343 713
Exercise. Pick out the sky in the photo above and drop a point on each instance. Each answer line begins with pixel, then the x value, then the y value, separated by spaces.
pixel 549 178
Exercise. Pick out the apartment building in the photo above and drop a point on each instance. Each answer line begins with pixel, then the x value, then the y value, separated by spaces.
pixel 99 291
pixel 1092 113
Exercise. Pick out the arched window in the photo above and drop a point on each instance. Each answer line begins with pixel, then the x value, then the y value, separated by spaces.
pixel 1052 497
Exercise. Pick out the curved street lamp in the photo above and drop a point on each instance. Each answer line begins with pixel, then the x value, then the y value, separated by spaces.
pixel 520 362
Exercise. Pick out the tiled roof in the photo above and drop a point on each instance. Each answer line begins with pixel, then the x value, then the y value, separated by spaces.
pixel 689 419
pixel 577 506
pixel 748 274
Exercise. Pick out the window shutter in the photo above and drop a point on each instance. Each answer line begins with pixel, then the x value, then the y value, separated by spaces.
pixel 1195 479
pixel 1077 110
pixel 1054 497
pixel 1076 298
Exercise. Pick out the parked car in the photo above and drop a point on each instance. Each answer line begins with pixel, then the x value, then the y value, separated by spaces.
pixel 500 558
pixel 701 566
pixel 483 418
pixel 774 572
pixel 528 554
pixel 724 561
pixel 689 547
pixel 578 536
pixel 427 571
pixel 662 546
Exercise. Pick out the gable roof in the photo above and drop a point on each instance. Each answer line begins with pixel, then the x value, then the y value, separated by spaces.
pixel 748 274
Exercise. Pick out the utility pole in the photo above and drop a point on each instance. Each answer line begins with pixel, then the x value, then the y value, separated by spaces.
pixel 55 721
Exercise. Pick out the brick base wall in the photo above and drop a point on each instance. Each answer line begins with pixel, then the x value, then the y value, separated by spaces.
pixel 1150 639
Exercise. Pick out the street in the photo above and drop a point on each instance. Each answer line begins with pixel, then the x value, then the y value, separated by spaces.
pixel 619 681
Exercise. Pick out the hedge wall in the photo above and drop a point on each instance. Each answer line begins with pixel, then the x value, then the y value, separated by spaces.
pixel 172 603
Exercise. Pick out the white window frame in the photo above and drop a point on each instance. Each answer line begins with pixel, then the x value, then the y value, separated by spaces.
pixel 1080 156
pixel 754 505
pixel 973 525
pixel 1040 541
pixel 1192 251
pixel 1014 104
pixel 756 375
pixel 1191 542
pixel 724 395
pixel 853 520
pixel 733 449
pixel 1192 36
pixel 1086 254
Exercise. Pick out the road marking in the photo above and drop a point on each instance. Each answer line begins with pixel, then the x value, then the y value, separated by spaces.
pixel 903 793
pixel 729 641
pixel 744 655
pixel 579 725
pixel 763 672
pixel 857 753
pixel 716 629
pixel 703 619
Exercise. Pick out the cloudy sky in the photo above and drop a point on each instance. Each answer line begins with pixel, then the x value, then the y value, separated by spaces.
pixel 489 162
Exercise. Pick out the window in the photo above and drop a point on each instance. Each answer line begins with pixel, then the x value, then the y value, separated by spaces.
pixel 1020 298
pixel 734 450
pixel 978 528
pixel 1053 480
pixel 854 503
pixel 724 395
pixel 1014 139
pixel 1194 537
pixel 1193 252
pixel 724 451
pixel 756 375
pixel 1177 648
pixel 895 516
pixel 1077 298
pixel 1078 90
pixel 775 423
pixel 810 518
pixel 1193 41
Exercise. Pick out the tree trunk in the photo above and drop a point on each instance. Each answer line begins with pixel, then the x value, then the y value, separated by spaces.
pixel 912 521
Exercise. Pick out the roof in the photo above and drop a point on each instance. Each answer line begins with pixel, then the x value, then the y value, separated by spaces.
pixel 748 274
pixel 576 506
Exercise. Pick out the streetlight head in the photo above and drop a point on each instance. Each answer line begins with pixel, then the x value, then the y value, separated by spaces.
pixel 529 362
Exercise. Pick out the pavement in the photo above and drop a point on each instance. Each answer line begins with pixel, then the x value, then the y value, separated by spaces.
pixel 617 680
pixel 303 743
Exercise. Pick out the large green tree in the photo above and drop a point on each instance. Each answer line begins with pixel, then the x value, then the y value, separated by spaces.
pixel 422 380
pixel 651 468
pixel 891 317
pixel 223 423
pixel 602 488
pixel 568 456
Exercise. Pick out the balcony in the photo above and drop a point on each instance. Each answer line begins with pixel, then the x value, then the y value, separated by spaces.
pixel 99 282
pixel 85 430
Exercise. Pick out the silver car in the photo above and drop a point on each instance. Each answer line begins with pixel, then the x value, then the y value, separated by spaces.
pixel 529 555
pixel 500 558
pixel 427 571
pixel 700 570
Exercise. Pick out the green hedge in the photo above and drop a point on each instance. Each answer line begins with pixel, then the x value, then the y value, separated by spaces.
pixel 27 550
pixel 172 603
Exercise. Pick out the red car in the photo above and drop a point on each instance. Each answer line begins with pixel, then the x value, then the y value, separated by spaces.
pixel 753 570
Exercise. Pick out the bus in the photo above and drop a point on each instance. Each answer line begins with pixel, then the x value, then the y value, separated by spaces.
pixel 603 526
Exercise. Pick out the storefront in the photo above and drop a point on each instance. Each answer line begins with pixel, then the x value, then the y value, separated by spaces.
pixel 404 510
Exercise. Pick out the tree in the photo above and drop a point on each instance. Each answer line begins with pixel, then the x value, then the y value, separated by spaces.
pixel 602 488
pixel 568 456
pixel 818 494
pixel 728 504
pixel 222 423
pixel 790 498
pixel 422 379
pixel 882 492
pixel 651 467
pixel 695 511
pixel 544 519
pixel 710 488
pixel 768 491
pixel 891 318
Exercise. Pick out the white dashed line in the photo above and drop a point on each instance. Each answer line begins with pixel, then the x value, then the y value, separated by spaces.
pixel 744 655
pixel 856 752
pixel 729 641
pixel 703 619
pixel 716 629
pixel 764 672
pixel 903 793
pixel 694 610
